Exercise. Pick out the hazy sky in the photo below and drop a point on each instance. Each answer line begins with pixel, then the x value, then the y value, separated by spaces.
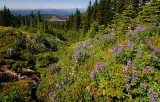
pixel 34 4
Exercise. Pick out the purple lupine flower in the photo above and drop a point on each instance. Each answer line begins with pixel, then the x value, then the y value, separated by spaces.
pixel 138 29
pixel 101 65
pixel 143 29
pixel 153 56
pixel 85 45
pixel 140 50
pixel 104 36
pixel 54 94
pixel 107 36
pixel 153 95
pixel 10 50
pixel 125 69
pixel 97 41
pixel 150 68
pixel 62 71
pixel 133 35
pixel 154 24
pixel 62 83
pixel 83 51
pixel 143 70
pixel 129 32
pixel 129 64
pixel 135 75
pixel 113 35
pixel 77 47
pixel 51 67
pixel 143 87
pixel 56 72
pixel 75 56
pixel 128 87
pixel 148 41
pixel 65 79
pixel 35 83
pixel 68 78
pixel 118 28
pixel 90 47
pixel 130 45
pixel 150 25
pixel 137 55
pixel 118 49
pixel 157 48
pixel 92 75
pixel 97 67
pixel 78 52
pixel 50 94
pixel 72 57
pixel 127 78
pixel 57 86
pixel 159 25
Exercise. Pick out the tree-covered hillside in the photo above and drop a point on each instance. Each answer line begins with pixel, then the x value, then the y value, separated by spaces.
pixel 110 53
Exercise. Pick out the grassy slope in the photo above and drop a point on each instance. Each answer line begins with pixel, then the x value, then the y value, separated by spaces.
pixel 71 79
pixel 27 50
pixel 26 47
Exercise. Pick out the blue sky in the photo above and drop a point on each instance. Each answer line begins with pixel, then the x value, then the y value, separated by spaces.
pixel 36 4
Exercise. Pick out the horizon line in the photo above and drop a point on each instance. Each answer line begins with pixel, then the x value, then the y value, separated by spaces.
pixel 42 8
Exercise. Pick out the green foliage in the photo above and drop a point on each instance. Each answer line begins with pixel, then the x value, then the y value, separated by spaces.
pixel 150 12
pixel 15 91
pixel 93 30
pixel 43 59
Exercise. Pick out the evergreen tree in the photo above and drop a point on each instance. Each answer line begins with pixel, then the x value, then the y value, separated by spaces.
pixel 1 21
pixel 94 11
pixel 84 25
pixel 120 5
pixel 101 12
pixel 135 4
pixel 17 21
pixel 127 17
pixel 22 21
pixel 26 21
pixel 114 5
pixel 77 19
pixel 31 20
pixel 109 13
pixel 45 27
pixel 71 20
pixel 104 12
pixel 6 17
pixel 143 2
pixel 89 13
pixel 39 20
pixel 151 12
pixel 67 24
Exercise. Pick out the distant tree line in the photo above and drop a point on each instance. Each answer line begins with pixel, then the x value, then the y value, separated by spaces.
pixel 30 22
pixel 104 13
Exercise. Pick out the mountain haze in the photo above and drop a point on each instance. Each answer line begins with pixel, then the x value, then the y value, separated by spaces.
pixel 60 12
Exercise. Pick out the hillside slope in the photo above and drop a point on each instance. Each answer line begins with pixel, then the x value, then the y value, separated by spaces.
pixel 25 50
pixel 110 67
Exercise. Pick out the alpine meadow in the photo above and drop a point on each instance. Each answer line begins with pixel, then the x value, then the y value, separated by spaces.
pixel 106 52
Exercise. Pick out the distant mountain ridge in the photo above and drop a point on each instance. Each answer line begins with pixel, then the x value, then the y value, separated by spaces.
pixel 60 12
